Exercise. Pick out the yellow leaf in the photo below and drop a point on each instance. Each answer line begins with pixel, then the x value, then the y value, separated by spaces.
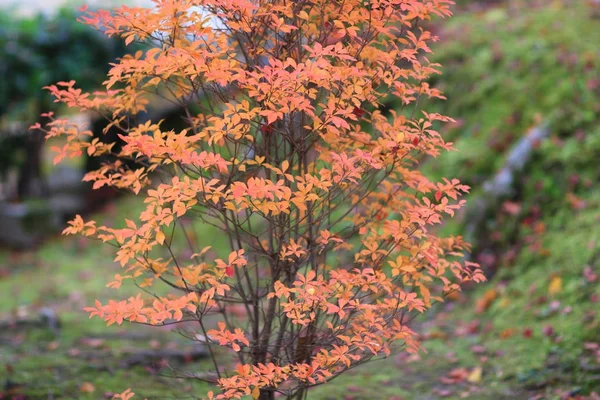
pixel 160 237
pixel 285 165
pixel 408 268
pixel 555 285
pixel 255 393
pixel 475 375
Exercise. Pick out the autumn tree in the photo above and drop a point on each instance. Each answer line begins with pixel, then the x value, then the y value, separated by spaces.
pixel 287 154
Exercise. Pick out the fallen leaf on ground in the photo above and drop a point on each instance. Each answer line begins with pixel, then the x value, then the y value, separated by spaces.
pixel 486 301
pixel 511 207
pixel 555 285
pixel 478 349
pixel 475 375
pixel 442 392
pixel 53 345
pixel 508 332
pixel 87 387
pixel 455 376
pixel 589 275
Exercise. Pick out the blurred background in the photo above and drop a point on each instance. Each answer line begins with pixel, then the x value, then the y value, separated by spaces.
pixel 522 80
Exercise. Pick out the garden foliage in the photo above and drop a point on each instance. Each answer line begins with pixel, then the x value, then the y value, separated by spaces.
pixel 329 221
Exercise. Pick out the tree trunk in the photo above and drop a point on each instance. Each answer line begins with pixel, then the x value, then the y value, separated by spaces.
pixel 31 182
pixel 266 394
pixel 300 394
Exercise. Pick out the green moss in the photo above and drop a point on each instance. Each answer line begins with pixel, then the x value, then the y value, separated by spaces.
pixel 505 68
pixel 67 274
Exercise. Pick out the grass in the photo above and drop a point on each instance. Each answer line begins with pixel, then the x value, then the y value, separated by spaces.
pixel 509 67
pixel 67 274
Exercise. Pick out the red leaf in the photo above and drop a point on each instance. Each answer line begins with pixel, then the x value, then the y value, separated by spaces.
pixel 548 331
pixel 266 129
pixel 359 112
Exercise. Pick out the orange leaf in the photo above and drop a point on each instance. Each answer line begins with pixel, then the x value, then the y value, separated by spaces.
pixel 87 387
